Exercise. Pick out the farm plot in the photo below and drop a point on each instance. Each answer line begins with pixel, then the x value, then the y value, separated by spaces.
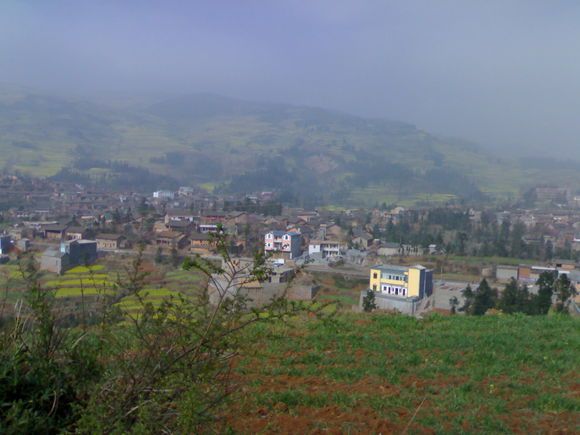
pixel 394 374
pixel 82 281
pixel 337 288
pixel 170 285
pixel 11 283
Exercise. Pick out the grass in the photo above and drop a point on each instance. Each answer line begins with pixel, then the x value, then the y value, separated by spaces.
pixel 334 287
pixel 77 292
pixel 82 281
pixel 11 283
pixel 85 281
pixel 154 296
pixel 208 187
pixel 85 269
pixel 371 373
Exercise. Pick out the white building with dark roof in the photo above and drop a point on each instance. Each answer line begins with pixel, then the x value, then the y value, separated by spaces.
pixel 286 244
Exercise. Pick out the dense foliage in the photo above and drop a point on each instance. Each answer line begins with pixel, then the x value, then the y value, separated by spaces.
pixel 516 298
pixel 165 368
pixel 457 233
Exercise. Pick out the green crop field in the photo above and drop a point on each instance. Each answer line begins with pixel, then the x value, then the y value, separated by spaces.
pixel 82 281
pixel 154 296
pixel 77 292
pixel 173 284
pixel 84 270
pixel 395 374
pixel 85 281
pixel 11 283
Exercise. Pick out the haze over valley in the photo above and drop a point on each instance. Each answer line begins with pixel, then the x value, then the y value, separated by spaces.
pixel 319 155
pixel 289 216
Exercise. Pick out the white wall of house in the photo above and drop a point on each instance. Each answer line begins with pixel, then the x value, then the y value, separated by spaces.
pixel 314 249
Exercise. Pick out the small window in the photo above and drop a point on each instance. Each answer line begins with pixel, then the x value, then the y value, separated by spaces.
pixel 375 275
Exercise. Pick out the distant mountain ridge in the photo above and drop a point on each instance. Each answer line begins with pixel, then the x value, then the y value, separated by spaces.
pixel 311 154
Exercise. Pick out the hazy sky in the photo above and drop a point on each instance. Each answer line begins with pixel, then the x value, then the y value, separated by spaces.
pixel 497 72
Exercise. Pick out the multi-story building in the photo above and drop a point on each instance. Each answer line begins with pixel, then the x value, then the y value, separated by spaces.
pixel 5 244
pixel 164 194
pixel 109 241
pixel 401 281
pixel 327 248
pixel 71 253
pixel 283 244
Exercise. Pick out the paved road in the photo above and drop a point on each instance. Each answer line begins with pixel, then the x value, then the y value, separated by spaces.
pixel 445 290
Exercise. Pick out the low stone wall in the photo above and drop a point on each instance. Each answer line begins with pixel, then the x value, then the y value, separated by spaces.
pixel 259 296
pixel 388 302
pixel 302 292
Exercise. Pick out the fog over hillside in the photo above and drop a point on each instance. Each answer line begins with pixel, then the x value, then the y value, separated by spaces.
pixel 501 74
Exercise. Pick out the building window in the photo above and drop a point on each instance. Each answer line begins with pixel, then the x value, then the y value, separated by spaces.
pixel 375 275
pixel 397 291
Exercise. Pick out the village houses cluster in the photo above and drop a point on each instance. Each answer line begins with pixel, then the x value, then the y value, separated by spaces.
pixel 71 225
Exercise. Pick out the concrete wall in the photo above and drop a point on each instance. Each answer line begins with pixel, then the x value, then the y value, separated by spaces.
pixel 53 264
pixel 386 302
pixel 505 273
pixel 260 295
pixel 302 292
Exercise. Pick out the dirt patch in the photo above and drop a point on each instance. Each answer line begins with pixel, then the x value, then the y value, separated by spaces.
pixel 317 385
pixel 331 419
pixel 362 322
pixel 440 382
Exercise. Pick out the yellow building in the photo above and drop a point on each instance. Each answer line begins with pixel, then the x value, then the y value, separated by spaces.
pixel 406 282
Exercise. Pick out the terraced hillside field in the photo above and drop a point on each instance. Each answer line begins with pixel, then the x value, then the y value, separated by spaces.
pixel 330 158
pixel 394 374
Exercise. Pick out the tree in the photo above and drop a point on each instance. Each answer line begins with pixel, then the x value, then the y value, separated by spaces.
pixel 159 255
pixel 548 250
pixel 143 208
pixel 390 232
pixel 117 218
pixel 460 241
pixel 508 301
pixel 453 302
pixel 369 303
pixel 543 301
pixel 174 257
pixel 515 299
pixel 564 291
pixel 468 297
pixel 485 298
pixel 517 245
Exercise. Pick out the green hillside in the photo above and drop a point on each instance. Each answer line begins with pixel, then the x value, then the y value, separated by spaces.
pixel 319 155
pixel 396 374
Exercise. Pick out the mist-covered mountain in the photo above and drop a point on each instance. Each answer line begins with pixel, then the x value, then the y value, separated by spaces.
pixel 313 154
